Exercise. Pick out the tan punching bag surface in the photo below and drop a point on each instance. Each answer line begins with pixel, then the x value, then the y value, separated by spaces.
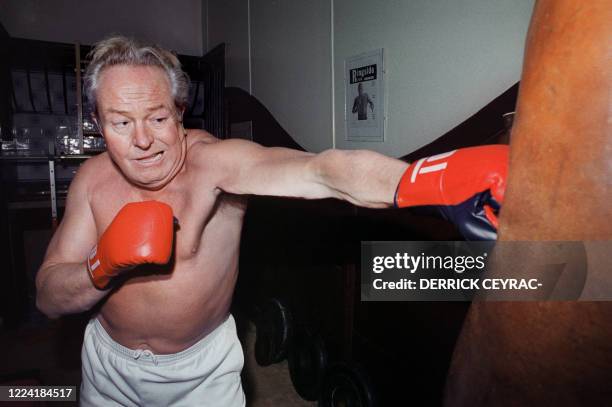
pixel 559 188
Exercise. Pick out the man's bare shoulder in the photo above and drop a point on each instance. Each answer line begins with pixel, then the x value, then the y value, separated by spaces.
pixel 200 137
pixel 100 162
pixel 203 147
pixel 95 169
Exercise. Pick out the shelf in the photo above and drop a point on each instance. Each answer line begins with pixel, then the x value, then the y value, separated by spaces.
pixel 25 158
pixel 44 159
pixel 74 157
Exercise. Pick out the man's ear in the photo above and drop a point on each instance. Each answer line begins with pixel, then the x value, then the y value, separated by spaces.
pixel 181 113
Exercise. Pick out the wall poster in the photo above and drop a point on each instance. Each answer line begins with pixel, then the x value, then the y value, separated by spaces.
pixel 364 97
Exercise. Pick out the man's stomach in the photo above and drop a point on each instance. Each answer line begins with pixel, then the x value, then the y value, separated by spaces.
pixel 167 313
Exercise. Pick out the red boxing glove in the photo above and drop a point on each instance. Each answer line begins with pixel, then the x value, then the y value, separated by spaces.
pixel 142 232
pixel 466 186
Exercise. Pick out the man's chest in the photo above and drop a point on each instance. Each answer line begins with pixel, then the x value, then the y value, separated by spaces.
pixel 198 212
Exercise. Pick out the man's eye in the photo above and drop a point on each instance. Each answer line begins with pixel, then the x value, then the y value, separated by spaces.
pixel 121 124
pixel 160 120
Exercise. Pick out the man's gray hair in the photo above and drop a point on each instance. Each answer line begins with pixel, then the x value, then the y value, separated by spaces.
pixel 120 50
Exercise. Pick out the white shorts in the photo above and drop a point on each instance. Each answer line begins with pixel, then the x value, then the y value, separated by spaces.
pixel 205 374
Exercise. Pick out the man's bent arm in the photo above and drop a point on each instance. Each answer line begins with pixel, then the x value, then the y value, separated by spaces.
pixel 63 284
pixel 362 177
pixel 66 288
pixel 555 353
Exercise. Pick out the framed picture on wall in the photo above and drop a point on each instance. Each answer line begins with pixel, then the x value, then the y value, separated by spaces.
pixel 364 97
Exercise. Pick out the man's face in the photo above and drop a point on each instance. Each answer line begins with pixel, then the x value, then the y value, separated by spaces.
pixel 142 129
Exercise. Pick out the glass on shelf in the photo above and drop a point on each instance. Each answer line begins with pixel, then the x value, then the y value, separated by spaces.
pixel 26 141
pixel 93 143
pixel 89 125
pixel 9 147
pixel 66 140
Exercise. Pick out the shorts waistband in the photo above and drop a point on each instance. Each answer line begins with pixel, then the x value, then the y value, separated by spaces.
pixel 104 338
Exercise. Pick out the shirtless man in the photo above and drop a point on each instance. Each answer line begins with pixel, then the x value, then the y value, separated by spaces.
pixel 163 333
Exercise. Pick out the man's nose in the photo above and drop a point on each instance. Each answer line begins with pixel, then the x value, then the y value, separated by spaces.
pixel 142 138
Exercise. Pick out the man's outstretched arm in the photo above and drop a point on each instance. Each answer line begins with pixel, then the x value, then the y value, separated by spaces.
pixel 464 186
pixel 362 177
